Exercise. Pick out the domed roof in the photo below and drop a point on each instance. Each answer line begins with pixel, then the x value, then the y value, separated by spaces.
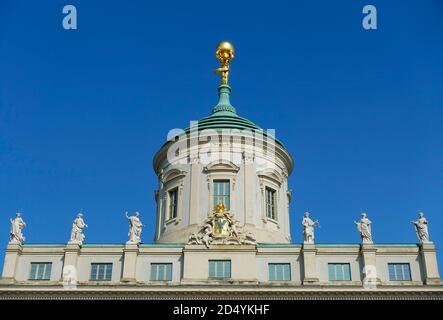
pixel 224 116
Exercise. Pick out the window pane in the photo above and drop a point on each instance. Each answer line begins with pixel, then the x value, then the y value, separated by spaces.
pixel 287 272
pixel 108 272
pixel 347 272
pixel 93 271
pixel 47 275
pixel 33 272
pixel 40 271
pixel 161 272
pixel 211 269
pixel 101 271
pixel 227 269
pixel 391 272
pixel 339 272
pixel 221 193
pixel 154 272
pixel 219 269
pixel 271 272
pixel 169 272
pixel 279 272
pixel 406 272
pixel 399 272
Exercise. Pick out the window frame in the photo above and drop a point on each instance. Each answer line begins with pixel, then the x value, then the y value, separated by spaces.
pixel 402 265
pixel 171 216
pixel 106 271
pixel 224 274
pixel 343 271
pixel 45 274
pixel 167 271
pixel 228 196
pixel 273 192
pixel 285 270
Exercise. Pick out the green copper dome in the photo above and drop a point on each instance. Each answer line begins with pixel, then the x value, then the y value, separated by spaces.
pixel 224 116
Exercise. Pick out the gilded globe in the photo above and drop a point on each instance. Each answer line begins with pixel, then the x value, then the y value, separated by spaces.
pixel 225 51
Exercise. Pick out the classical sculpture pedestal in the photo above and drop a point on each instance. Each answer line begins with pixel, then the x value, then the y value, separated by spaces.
pixel 13 251
pixel 309 253
pixel 130 260
pixel 428 253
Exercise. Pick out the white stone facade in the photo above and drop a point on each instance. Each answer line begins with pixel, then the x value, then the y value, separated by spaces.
pixel 249 264
pixel 249 170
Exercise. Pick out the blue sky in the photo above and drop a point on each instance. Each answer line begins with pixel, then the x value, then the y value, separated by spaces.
pixel 82 112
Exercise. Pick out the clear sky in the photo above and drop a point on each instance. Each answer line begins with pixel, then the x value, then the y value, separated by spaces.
pixel 82 112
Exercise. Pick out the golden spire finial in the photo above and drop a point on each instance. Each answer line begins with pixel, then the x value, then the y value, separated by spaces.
pixel 224 53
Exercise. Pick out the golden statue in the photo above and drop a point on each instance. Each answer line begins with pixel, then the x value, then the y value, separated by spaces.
pixel 224 53
pixel 220 208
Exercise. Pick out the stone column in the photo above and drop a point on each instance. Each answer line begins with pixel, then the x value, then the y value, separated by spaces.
pixel 428 254
pixel 195 191
pixel 309 253
pixel 130 262
pixel 13 252
pixel 369 257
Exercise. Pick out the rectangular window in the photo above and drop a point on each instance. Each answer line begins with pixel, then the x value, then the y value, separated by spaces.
pixel 161 271
pixel 40 271
pixel 222 193
pixel 219 269
pixel 270 203
pixel 279 272
pixel 339 272
pixel 101 271
pixel 399 272
pixel 173 203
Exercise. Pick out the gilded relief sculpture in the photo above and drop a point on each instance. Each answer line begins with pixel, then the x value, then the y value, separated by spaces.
pixel 221 227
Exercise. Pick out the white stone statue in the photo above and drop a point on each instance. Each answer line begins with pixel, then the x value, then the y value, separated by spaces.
pixel 135 228
pixel 421 228
pixel 308 228
pixel 78 225
pixel 364 227
pixel 17 225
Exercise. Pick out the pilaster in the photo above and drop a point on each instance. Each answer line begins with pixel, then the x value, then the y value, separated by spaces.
pixel 12 254
pixel 309 253
pixel 69 274
pixel 429 257
pixel 130 253
pixel 369 258
pixel 249 186
pixel 195 191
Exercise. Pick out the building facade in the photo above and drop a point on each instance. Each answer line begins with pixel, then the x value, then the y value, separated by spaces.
pixel 222 230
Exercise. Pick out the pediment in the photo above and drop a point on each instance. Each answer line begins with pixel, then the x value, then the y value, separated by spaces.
pixel 271 174
pixel 221 166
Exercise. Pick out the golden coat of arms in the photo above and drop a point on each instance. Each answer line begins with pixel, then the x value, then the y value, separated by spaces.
pixel 221 227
